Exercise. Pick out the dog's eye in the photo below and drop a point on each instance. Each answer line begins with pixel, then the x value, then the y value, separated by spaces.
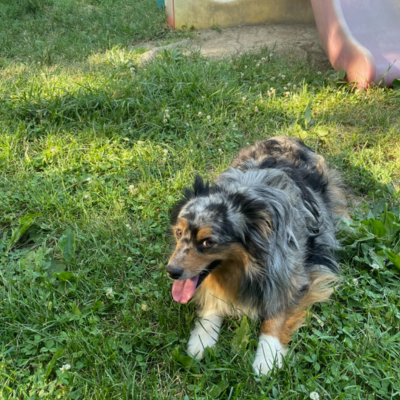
pixel 207 243
pixel 178 232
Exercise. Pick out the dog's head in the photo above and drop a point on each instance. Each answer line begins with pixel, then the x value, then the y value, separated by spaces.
pixel 211 228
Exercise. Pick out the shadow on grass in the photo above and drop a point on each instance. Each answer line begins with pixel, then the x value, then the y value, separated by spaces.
pixel 50 31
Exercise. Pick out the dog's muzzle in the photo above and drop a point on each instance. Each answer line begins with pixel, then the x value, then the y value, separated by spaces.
pixel 174 272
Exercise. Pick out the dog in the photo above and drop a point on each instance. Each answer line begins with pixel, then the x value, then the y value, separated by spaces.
pixel 259 242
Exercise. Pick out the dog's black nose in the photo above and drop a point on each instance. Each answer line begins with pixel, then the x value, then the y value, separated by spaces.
pixel 174 272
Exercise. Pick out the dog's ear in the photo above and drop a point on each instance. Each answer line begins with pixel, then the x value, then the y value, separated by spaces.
pixel 259 227
pixel 176 210
pixel 199 188
pixel 258 221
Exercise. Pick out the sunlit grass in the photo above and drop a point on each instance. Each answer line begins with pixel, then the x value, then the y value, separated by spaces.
pixel 47 32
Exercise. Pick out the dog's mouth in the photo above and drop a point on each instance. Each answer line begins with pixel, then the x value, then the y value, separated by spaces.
pixel 183 291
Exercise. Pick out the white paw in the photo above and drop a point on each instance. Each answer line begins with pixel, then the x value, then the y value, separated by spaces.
pixel 270 353
pixel 204 334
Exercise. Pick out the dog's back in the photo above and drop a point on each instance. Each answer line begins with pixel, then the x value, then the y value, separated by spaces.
pixel 291 155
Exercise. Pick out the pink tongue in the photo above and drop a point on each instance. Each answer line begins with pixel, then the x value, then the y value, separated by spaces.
pixel 183 291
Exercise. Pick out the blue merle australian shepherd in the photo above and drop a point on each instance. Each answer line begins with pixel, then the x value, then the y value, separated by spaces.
pixel 260 242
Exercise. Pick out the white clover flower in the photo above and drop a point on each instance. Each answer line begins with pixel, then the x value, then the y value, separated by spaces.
pixel 165 120
pixel 314 396
pixel 271 54
pixel 244 98
pixel 245 67
pixel 144 307
pixel 375 266
pixel 208 117
pixel 294 96
pixel 256 109
pixel 109 293
pixel 220 150
pixel 165 151
pixel 89 180
pixel 129 259
pixel 166 111
pixel 65 367
pixel 53 150
pixel 355 282
pixel 284 88
pixel 272 78
pixel 241 74
pixel 187 105
pixel 203 97
pixel 86 196
pixel 258 64
pixel 128 226
pixel 247 144
pixel 283 76
pixel 289 84
pixel 262 58
pixel 140 142
pixel 131 188
pixel 319 73
pixel 199 113
pixel 167 116
pixel 191 150
pixel 294 86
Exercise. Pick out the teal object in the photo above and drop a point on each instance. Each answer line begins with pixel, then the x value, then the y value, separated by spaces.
pixel 160 3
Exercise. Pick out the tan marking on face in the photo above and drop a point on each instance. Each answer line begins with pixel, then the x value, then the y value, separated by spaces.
pixel 192 261
pixel 204 233
pixel 224 282
pixel 183 225
pixel 226 277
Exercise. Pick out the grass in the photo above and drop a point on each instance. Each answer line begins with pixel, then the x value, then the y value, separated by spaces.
pixel 95 150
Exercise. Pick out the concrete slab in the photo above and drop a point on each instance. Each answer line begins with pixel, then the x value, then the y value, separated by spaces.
pixel 300 40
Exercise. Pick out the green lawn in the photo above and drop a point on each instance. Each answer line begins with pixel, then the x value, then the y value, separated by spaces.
pixel 94 152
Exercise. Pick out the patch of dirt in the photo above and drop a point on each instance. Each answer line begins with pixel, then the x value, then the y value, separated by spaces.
pixel 296 40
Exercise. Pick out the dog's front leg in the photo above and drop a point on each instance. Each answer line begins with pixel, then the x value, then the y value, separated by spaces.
pixel 204 334
pixel 270 350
